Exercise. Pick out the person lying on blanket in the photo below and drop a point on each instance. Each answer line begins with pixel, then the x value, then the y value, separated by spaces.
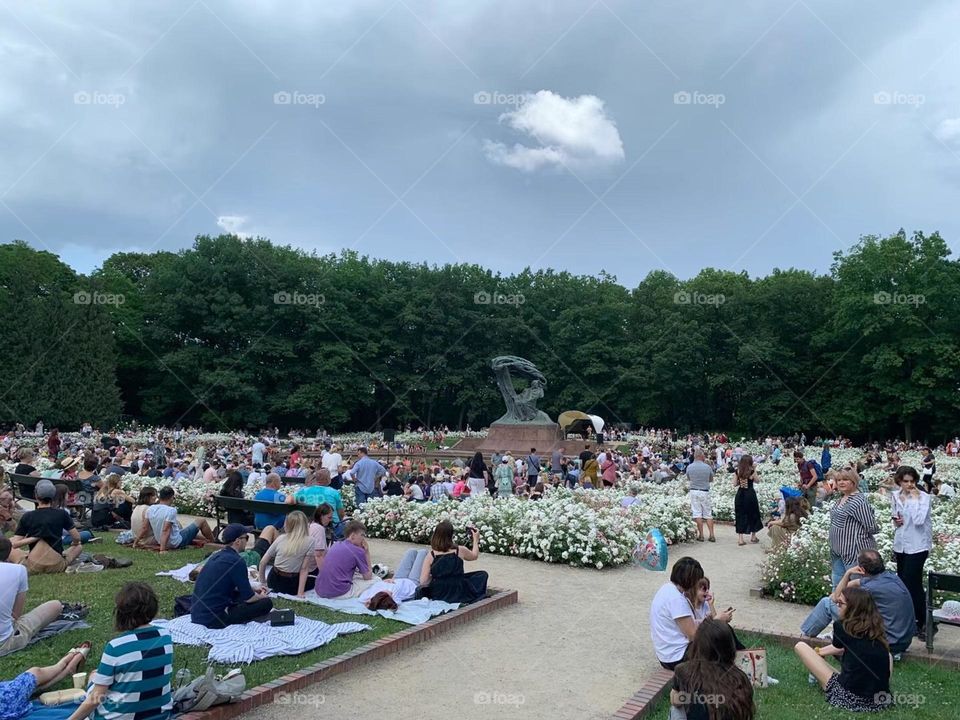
pixel 336 577
pixel 222 595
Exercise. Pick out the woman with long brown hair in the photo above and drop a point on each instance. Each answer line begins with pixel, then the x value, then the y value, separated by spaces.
pixel 860 641
pixel 706 684
pixel 442 576
pixel 746 507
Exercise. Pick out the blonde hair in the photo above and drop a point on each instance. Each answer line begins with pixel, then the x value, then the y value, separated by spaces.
pixel 298 542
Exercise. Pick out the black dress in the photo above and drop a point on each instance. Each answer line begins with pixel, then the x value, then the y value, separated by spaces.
pixel 449 583
pixel 746 510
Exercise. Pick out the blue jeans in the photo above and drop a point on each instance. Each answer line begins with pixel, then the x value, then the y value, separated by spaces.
pixel 823 614
pixel 187 536
pixel 338 530
pixel 837 568
pixel 361 496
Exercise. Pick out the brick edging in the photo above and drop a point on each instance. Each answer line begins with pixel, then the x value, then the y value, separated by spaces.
pixel 643 702
pixel 387 645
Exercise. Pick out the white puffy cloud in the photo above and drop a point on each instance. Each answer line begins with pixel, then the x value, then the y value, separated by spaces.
pixel 949 130
pixel 568 131
pixel 233 224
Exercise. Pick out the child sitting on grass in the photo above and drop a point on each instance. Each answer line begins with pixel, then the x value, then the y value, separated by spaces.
pixel 133 678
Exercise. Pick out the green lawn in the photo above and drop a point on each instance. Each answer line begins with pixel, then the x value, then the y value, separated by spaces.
pixel 98 590
pixel 923 691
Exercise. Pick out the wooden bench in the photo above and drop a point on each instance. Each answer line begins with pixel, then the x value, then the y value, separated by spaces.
pixel 24 485
pixel 941 582
pixel 222 504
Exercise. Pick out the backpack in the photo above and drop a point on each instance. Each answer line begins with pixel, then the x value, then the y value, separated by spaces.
pixel 207 691
pixel 817 469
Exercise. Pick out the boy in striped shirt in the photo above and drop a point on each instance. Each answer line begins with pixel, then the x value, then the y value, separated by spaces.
pixel 132 681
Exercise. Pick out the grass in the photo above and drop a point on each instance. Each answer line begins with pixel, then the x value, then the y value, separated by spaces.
pixel 98 590
pixel 923 691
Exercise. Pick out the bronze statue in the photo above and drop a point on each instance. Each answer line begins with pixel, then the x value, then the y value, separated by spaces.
pixel 521 407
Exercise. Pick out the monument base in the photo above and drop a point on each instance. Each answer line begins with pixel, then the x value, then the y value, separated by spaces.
pixel 518 438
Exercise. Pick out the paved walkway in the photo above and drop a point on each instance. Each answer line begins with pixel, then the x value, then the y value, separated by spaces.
pixel 576 646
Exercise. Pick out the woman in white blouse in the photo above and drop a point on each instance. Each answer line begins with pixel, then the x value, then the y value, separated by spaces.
pixel 913 537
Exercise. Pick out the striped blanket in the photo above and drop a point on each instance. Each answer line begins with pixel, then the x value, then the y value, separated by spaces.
pixel 256 641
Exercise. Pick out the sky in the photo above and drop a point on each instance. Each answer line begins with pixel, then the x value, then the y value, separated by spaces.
pixel 581 135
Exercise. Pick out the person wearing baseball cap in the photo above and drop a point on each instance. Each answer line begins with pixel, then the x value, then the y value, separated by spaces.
pixel 43 529
pixel 222 595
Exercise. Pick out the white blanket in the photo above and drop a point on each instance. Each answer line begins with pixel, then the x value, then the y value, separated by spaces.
pixel 181 574
pixel 412 612
pixel 256 641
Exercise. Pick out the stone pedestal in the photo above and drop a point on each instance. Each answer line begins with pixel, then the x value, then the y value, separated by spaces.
pixel 520 437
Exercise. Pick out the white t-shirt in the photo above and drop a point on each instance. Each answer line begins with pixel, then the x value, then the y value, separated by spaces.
pixel 416 492
pixel 13 581
pixel 331 462
pixel 668 606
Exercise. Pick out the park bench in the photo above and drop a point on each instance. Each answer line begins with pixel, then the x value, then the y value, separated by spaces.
pixel 222 504
pixel 23 487
pixel 942 582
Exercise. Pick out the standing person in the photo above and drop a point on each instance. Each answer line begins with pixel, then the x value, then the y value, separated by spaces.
pixel 746 507
pixel 852 525
pixel 863 683
pixel 700 475
pixel 826 460
pixel 53 444
pixel 133 678
pixel 808 476
pixel 556 463
pixel 929 468
pixel 608 470
pixel 332 460
pixel 533 467
pixel 366 471
pixel 503 475
pixel 222 594
pixel 479 475
pixel 912 539
pixel 257 452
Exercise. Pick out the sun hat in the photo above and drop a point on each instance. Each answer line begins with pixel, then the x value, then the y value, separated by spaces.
pixel 949 610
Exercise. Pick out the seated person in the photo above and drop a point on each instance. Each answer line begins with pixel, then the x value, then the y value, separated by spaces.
pixel 136 669
pixel 889 593
pixel 709 671
pixel 461 489
pixel 270 493
pixel 17 628
pixel 863 683
pixel 116 506
pixel 43 530
pixel 60 502
pixel 317 491
pixel 233 487
pixel 412 490
pixel 319 527
pixel 138 518
pixel 781 530
pixel 289 558
pixel 442 576
pixel 25 466
pixel 17 694
pixel 631 499
pixel 10 511
pixel 335 579
pixel 164 528
pixel 222 595
pixel 251 557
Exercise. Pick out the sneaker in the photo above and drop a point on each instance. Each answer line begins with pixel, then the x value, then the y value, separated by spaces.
pixel 898 657
pixel 825 636
pixel 88 567
pixel 93 540
pixel 772 681
pixel 811 679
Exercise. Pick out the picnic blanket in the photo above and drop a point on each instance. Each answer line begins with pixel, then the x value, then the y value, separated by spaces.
pixel 256 641
pixel 57 627
pixel 412 612
pixel 181 574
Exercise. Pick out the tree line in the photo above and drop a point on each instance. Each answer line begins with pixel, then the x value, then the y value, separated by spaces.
pixel 241 333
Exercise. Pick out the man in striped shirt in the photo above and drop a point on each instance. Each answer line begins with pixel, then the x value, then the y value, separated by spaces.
pixel 132 681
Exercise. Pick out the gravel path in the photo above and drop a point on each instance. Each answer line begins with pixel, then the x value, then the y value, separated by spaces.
pixel 577 644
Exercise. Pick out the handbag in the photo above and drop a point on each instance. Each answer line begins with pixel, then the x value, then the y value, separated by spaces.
pixel 753 661
pixel 207 690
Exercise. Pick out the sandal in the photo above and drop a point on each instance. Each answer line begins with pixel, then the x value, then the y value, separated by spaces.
pixel 741 542
pixel 83 649
pixel 755 540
